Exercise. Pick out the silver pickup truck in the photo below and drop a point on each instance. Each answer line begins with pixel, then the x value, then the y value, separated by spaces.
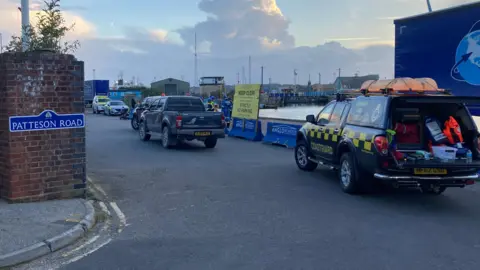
pixel 179 118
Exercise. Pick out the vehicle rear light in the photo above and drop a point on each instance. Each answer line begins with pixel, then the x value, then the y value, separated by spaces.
pixel 381 144
pixel 385 164
pixel 477 143
pixel 470 182
pixel 178 122
pixel 223 120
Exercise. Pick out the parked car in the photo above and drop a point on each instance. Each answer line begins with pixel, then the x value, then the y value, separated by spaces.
pixel 115 107
pixel 179 118
pixel 353 135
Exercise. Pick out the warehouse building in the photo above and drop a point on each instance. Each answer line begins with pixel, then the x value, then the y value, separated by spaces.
pixel 171 87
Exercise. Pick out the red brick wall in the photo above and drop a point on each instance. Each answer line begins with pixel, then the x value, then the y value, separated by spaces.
pixel 41 165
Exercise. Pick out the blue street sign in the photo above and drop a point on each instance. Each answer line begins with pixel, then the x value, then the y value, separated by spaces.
pixel 47 120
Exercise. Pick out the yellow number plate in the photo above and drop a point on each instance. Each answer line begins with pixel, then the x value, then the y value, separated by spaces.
pixel 203 133
pixel 429 171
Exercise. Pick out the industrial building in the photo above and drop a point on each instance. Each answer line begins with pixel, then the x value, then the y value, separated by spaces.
pixel 212 86
pixel 171 86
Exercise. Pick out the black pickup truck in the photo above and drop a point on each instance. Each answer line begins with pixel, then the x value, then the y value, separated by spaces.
pixel 179 118
pixel 350 135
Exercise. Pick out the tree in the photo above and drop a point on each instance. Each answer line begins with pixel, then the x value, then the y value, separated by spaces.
pixel 48 32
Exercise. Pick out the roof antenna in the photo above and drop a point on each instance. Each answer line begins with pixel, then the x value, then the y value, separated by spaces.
pixel 429 6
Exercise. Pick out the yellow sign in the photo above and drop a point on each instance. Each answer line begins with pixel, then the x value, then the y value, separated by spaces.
pixel 246 101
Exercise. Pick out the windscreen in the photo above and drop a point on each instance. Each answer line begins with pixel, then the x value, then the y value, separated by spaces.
pixel 368 111
pixel 185 105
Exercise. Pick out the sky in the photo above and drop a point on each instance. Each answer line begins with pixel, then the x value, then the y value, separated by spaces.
pixel 154 39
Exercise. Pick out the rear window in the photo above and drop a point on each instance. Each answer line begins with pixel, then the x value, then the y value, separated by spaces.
pixel 368 111
pixel 185 104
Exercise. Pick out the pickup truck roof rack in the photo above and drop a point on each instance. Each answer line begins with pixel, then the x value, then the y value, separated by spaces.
pixel 402 86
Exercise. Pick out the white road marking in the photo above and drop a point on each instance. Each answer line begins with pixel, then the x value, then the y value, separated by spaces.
pixel 90 241
pixel 121 216
pixel 88 253
pixel 96 186
pixel 104 208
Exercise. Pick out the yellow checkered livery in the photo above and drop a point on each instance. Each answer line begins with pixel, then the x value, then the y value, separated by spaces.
pixel 361 140
pixel 326 135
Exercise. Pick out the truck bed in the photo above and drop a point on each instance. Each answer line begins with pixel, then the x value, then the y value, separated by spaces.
pixel 201 120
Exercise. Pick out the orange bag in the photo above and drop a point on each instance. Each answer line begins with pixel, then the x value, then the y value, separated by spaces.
pixel 452 131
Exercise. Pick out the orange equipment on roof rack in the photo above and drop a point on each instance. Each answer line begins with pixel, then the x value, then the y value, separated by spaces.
pixel 401 85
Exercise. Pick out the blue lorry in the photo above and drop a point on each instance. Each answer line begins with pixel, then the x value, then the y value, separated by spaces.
pixel 443 45
pixel 94 88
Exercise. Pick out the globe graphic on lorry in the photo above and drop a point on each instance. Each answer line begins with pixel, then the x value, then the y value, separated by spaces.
pixel 467 58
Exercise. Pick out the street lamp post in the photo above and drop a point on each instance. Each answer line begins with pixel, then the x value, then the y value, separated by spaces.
pixel 25 9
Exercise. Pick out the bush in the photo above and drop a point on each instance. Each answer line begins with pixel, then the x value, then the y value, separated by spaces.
pixel 47 33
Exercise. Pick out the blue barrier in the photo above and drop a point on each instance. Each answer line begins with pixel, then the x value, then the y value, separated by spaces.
pixel 282 134
pixel 227 121
pixel 130 114
pixel 246 131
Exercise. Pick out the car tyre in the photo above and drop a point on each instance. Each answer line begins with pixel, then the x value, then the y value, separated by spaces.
pixel 94 112
pixel 134 123
pixel 349 175
pixel 143 132
pixel 210 142
pixel 301 157
pixel 166 139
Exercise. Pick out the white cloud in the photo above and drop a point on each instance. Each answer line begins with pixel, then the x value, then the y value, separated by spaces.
pixel 10 20
pixel 234 30
pixel 242 26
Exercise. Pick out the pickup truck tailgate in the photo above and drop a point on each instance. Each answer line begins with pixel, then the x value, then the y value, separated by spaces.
pixel 202 120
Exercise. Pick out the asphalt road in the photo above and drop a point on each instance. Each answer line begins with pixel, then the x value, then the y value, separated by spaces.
pixel 245 205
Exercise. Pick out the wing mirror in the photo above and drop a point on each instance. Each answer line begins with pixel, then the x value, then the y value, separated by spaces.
pixel 311 119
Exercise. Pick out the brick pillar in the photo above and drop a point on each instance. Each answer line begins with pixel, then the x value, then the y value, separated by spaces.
pixel 46 164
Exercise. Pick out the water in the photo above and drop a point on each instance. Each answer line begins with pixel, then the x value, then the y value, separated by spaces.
pixel 300 112
pixel 292 113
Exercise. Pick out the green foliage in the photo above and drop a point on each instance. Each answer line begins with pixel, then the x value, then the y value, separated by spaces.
pixel 47 33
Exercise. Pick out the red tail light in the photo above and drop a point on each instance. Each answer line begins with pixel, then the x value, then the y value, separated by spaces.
pixel 381 144
pixel 178 122
pixel 223 120
pixel 478 144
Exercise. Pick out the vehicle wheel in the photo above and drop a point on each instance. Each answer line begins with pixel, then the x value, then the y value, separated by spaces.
pixel 435 190
pixel 210 142
pixel 301 157
pixel 348 174
pixel 134 123
pixel 94 112
pixel 143 133
pixel 166 142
